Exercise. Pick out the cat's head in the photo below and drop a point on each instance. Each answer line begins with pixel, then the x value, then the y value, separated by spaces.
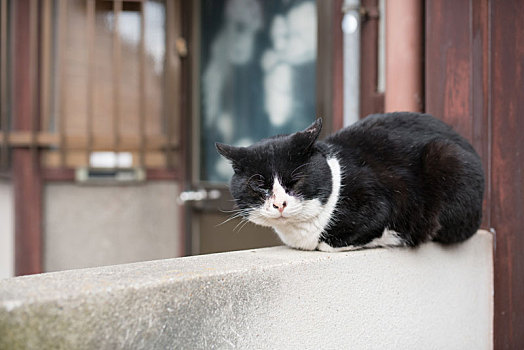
pixel 280 180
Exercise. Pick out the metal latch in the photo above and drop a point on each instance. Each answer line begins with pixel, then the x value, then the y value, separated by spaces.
pixel 199 195
pixel 181 47
pixel 368 12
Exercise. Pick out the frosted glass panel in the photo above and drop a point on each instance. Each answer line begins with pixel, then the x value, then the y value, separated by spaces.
pixel 257 74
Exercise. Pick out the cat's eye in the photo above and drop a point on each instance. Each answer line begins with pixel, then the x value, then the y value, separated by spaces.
pixel 294 182
pixel 259 189
pixel 290 184
pixel 257 185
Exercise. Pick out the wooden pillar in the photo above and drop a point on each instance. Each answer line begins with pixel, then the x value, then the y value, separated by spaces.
pixel 27 183
pixel 507 175
pixel 474 81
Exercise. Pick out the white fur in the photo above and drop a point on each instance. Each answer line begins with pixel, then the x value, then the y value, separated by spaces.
pixel 302 222
pixel 279 196
pixel 389 238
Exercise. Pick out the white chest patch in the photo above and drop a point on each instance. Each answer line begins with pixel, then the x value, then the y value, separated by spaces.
pixel 299 223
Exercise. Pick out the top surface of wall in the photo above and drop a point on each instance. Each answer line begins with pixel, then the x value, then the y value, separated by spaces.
pixel 433 297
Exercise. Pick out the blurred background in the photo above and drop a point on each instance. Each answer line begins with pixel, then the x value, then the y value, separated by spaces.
pixel 110 109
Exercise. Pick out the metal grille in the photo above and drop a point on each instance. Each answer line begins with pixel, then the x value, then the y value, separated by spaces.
pixel 67 37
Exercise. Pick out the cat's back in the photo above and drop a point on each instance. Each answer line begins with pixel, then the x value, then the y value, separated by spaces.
pixel 383 131
pixel 398 123
pixel 425 177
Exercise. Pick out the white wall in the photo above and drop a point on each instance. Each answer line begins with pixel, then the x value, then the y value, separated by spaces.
pixel 433 297
pixel 87 226
pixel 6 230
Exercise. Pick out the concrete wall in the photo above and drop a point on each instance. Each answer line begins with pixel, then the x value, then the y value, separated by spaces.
pixel 6 230
pixel 86 226
pixel 433 297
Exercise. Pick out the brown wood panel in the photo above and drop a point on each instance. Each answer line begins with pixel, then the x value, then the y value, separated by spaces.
pixel 27 183
pixel 448 66
pixel 481 95
pixel 458 75
pixel 474 79
pixel 507 65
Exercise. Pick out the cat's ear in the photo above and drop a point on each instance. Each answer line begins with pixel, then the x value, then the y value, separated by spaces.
pixel 308 136
pixel 230 152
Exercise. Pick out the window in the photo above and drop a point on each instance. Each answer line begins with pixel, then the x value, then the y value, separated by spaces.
pixel 103 77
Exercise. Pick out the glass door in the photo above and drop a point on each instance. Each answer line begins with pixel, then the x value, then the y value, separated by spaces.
pixel 254 75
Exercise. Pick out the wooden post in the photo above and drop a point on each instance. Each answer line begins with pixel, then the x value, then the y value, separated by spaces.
pixel 27 182
pixel 474 78
pixel 507 174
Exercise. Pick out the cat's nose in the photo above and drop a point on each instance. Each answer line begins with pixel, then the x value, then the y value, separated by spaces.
pixel 280 207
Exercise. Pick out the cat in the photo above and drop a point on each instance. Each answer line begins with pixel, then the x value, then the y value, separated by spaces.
pixel 396 179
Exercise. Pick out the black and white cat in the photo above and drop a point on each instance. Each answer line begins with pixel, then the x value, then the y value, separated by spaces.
pixel 397 179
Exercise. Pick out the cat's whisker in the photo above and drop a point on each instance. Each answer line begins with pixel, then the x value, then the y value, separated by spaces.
pixel 241 225
pixel 242 213
pixel 236 215
pixel 245 223
pixel 228 220
pixel 232 210
pixel 237 225
pixel 292 212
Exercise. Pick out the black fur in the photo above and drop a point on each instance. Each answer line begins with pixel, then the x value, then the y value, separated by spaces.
pixel 407 172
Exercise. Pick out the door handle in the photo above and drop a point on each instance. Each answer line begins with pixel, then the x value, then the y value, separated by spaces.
pixel 198 195
pixel 181 47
